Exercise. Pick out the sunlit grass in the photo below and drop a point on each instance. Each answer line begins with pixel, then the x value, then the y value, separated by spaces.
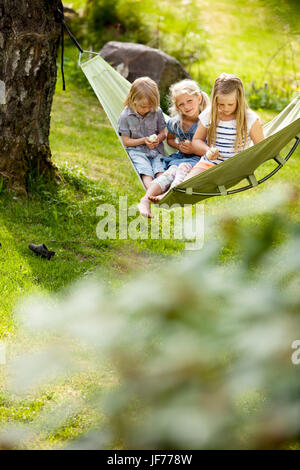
pixel 244 36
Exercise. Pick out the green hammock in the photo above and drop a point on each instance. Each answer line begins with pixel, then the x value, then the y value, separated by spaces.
pixel 111 89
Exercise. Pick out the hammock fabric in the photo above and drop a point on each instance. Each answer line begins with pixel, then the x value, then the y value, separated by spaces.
pixel 111 89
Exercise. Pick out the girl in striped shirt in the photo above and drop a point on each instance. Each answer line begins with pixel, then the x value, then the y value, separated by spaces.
pixel 226 127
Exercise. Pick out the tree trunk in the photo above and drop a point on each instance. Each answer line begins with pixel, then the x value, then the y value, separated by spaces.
pixel 29 40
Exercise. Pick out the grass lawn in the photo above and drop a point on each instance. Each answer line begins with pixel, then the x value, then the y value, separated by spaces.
pixel 93 171
pixel 248 39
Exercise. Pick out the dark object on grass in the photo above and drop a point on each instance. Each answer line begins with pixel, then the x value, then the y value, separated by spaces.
pixel 41 250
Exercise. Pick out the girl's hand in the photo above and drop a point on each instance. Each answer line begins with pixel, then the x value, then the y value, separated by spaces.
pixel 256 132
pixel 212 153
pixel 186 146
pixel 151 145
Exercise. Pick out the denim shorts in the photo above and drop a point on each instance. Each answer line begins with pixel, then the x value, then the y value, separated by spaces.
pixel 147 165
pixel 178 157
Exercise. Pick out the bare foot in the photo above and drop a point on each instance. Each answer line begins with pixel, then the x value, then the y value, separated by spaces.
pixel 144 208
pixel 157 198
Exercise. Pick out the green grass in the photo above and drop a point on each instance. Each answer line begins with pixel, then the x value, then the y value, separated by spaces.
pixel 244 37
pixel 94 170
pixel 76 4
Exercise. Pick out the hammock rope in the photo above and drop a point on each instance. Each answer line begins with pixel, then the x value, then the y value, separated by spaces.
pixel 60 18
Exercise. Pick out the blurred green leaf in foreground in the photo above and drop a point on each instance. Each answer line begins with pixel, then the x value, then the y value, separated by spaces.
pixel 202 350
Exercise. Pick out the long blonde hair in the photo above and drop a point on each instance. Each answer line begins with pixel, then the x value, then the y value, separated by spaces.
pixel 191 88
pixel 141 88
pixel 225 84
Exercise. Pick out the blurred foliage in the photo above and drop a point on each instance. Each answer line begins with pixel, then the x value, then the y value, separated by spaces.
pixel 279 88
pixel 174 28
pixel 121 20
pixel 264 97
pixel 202 351
pixel 179 32
pixel 288 11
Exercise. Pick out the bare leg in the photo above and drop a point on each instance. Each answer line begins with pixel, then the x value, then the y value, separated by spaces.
pixel 182 174
pixel 144 204
pixel 197 169
pixel 183 170
pixel 157 187
pixel 194 172
pixel 147 180
pixel 156 197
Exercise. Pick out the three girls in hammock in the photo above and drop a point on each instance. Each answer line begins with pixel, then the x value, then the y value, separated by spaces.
pixel 214 132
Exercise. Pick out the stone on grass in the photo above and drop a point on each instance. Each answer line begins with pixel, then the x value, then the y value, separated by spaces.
pixel 137 60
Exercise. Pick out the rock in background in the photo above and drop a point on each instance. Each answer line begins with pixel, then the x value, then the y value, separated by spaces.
pixel 137 60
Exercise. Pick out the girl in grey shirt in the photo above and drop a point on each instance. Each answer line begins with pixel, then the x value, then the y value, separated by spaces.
pixel 141 126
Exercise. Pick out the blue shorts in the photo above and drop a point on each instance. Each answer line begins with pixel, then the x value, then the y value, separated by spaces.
pixel 178 157
pixel 147 165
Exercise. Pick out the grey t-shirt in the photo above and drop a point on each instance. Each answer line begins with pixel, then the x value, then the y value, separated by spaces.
pixel 135 126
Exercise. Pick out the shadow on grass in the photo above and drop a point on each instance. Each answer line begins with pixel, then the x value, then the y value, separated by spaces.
pixel 63 217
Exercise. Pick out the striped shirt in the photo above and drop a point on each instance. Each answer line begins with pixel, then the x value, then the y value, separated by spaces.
pixel 226 134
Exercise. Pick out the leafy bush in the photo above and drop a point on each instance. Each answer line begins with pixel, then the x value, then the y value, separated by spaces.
pixel 264 97
pixel 173 28
pixel 180 33
pixel 288 12
pixel 120 20
pixel 202 350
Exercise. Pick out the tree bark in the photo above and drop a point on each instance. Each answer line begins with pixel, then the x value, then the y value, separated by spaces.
pixel 29 40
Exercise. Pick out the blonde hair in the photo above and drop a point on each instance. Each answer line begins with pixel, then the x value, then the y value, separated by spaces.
pixel 191 88
pixel 225 84
pixel 143 88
